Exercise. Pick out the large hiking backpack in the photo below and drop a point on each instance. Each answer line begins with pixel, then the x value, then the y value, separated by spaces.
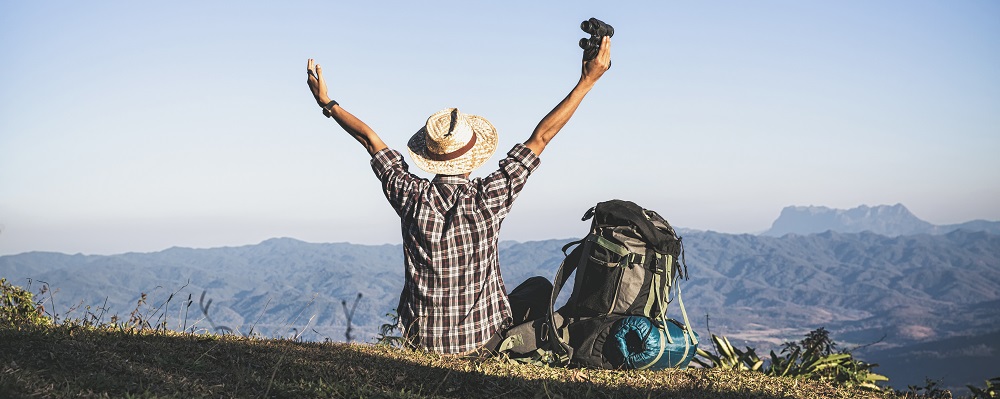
pixel 615 317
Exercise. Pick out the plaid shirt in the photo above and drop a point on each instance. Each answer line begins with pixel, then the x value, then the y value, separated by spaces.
pixel 453 297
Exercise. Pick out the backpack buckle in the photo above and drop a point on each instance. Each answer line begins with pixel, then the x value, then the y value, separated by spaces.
pixel 656 265
pixel 633 258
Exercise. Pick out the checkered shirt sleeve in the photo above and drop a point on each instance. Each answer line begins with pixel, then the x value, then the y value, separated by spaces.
pixel 453 297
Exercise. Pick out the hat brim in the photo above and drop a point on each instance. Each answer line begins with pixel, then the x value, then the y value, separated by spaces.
pixel 486 145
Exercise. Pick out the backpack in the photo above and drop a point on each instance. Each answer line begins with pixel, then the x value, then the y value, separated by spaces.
pixel 616 315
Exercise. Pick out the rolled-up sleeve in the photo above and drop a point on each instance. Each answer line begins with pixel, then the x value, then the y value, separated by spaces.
pixel 500 188
pixel 398 184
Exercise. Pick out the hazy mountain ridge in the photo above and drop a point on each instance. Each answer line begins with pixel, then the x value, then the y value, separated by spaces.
pixel 855 279
pixel 284 274
pixel 890 220
pixel 758 290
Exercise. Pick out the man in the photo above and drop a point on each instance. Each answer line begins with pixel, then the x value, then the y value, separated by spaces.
pixel 453 298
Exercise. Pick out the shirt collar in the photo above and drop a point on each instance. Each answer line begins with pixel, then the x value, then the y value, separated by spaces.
pixel 450 179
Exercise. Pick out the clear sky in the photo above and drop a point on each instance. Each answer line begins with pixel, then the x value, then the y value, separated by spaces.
pixel 138 126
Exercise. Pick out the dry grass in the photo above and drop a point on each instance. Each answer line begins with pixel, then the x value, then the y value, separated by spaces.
pixel 64 362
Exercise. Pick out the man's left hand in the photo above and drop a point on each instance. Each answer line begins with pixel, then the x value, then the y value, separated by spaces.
pixel 317 85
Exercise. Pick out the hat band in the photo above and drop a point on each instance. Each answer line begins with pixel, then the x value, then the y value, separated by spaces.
pixel 454 154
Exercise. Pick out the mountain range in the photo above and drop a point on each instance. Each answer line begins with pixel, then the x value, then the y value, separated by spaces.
pixel 908 302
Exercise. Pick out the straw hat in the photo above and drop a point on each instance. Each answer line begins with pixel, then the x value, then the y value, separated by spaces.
pixel 453 143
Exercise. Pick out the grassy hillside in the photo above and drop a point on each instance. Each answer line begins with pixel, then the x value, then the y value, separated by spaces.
pixel 64 362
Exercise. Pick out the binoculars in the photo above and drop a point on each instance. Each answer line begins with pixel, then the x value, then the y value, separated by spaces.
pixel 597 30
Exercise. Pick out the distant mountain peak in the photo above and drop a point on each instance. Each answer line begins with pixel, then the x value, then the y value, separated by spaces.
pixel 889 220
pixel 281 241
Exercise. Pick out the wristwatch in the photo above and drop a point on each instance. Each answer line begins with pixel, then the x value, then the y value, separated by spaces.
pixel 328 108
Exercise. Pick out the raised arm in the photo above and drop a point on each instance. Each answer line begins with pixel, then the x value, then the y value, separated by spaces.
pixel 557 118
pixel 354 126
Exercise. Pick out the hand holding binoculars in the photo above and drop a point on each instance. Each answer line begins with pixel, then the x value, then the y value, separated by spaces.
pixel 597 30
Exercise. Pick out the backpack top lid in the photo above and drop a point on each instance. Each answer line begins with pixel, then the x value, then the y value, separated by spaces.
pixel 624 213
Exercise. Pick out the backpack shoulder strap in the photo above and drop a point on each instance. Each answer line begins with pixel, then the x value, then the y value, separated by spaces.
pixel 545 332
pixel 553 322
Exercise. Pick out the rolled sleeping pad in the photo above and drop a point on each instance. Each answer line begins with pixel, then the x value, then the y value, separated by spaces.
pixel 644 346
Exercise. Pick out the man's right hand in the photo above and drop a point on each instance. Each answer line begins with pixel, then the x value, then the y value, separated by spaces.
pixel 593 69
pixel 317 85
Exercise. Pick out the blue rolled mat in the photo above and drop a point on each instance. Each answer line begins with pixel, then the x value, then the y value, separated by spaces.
pixel 646 347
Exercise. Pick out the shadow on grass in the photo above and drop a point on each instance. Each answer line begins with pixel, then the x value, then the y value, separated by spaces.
pixel 65 362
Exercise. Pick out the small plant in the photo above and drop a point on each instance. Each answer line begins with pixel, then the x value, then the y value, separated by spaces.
pixel 18 307
pixel 89 318
pixel 387 335
pixel 136 321
pixel 187 306
pixel 929 390
pixel 811 358
pixel 729 357
pixel 992 389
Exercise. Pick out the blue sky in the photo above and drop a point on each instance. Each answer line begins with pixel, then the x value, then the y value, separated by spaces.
pixel 130 126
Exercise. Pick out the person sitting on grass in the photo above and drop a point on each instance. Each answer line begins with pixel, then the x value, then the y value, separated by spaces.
pixel 453 298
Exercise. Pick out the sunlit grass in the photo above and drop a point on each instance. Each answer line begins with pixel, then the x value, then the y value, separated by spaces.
pixel 66 361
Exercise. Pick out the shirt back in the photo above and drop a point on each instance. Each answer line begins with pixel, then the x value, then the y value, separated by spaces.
pixel 453 297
